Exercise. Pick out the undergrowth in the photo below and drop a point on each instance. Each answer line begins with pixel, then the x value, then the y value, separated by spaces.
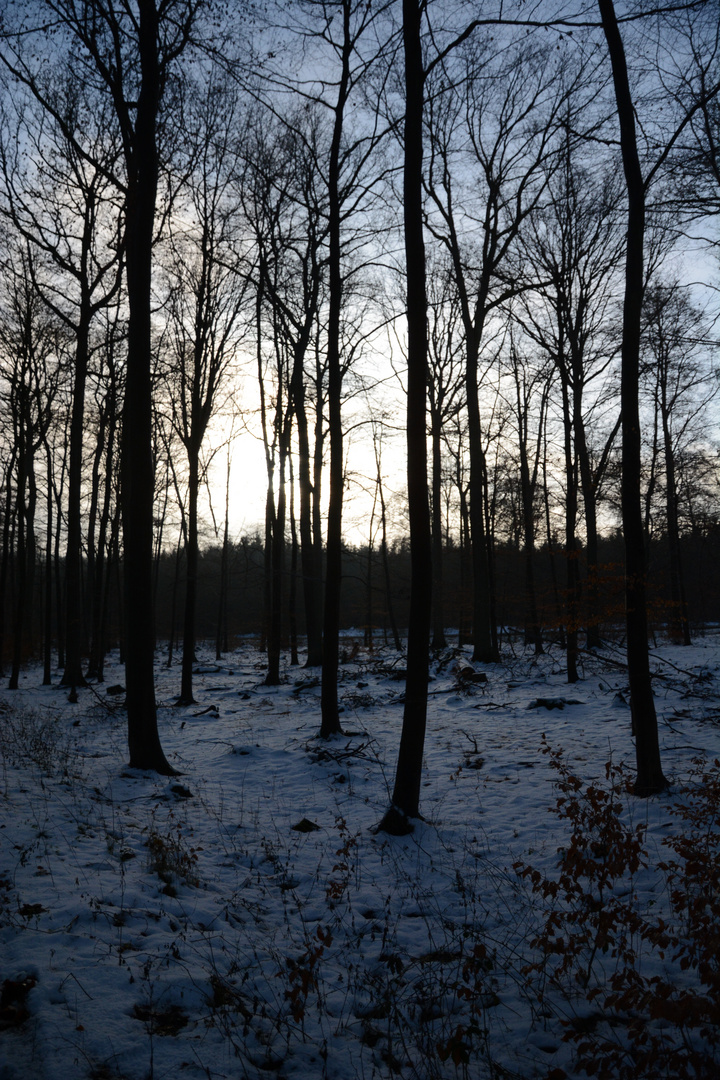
pixel 642 985
pixel 26 737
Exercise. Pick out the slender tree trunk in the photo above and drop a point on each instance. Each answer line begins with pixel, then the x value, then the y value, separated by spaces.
pixel 483 649
pixel 650 778
pixel 679 616
pixel 388 589
pixel 330 723
pixel 438 625
pixel 311 586
pixel 292 593
pixel 465 564
pixel 6 556
pixel 60 578
pixel 93 545
pixel 21 550
pixel 47 632
pixel 318 465
pixel 277 572
pixel 103 561
pixel 368 635
pixel 489 511
pixel 384 549
pixel 533 636
pixel 221 642
pixel 173 601
pixel 73 674
pixel 571 552
pixel 592 598
pixel 406 792
pixel 191 576
pixel 267 568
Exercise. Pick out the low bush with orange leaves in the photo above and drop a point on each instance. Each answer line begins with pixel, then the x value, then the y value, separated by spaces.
pixel 641 979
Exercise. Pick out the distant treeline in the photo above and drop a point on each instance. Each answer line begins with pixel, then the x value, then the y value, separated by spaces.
pixel 239 611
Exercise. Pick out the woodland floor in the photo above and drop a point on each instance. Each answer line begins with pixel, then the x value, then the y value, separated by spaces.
pixel 245 920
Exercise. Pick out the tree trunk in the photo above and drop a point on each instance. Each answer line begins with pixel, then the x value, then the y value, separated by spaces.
pixel 679 621
pixel 221 641
pixel 22 556
pixel 47 617
pixel 483 649
pixel 191 574
pixel 388 592
pixel 650 777
pixel 592 599
pixel 311 585
pixel 571 551
pixel 59 578
pixel 5 562
pixel 533 635
pixel 330 723
pixel 137 463
pixel 277 560
pixel 73 675
pixel 406 792
pixel 292 595
pixel 103 560
pixel 438 623
pixel 173 601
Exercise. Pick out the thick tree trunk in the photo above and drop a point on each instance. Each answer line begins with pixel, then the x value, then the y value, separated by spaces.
pixel 137 463
pixel 650 777
pixel 406 792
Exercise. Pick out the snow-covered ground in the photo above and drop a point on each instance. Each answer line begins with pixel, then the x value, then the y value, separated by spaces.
pixel 245 919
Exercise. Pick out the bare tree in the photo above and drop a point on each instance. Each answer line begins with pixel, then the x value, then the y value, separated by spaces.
pixel 532 385
pixel 677 378
pixel 62 201
pixel 406 792
pixel 650 777
pixel 445 399
pixel 30 344
pixel 205 299
pixel 130 54
pixel 575 244
pixel 492 125
pixel 285 204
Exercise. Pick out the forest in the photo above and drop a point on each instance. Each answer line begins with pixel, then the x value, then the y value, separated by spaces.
pixel 414 771
pixel 358 234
